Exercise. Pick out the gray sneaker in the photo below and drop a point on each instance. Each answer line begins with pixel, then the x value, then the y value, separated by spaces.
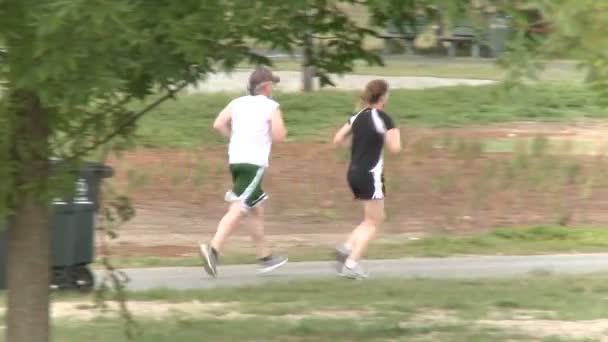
pixel 209 259
pixel 356 272
pixel 341 254
pixel 272 264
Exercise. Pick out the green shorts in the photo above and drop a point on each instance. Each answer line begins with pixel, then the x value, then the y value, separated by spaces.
pixel 247 185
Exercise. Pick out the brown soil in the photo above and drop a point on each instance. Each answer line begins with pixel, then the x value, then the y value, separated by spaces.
pixel 178 194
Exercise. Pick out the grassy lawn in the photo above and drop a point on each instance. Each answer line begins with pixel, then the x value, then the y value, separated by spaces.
pixel 507 145
pixel 186 122
pixel 404 67
pixel 443 67
pixel 533 308
pixel 523 241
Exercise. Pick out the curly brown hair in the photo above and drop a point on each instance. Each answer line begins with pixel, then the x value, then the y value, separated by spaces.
pixel 374 91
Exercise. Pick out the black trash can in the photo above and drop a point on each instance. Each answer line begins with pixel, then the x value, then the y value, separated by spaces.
pixel 72 234
pixel 73 229
pixel 499 34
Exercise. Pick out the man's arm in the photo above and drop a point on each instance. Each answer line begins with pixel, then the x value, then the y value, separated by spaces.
pixel 277 126
pixel 222 122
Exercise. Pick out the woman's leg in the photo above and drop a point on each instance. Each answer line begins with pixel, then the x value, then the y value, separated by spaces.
pixel 366 231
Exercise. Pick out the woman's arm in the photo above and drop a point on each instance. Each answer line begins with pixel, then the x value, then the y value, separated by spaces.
pixel 393 140
pixel 344 132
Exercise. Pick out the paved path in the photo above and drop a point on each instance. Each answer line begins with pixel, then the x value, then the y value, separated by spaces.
pixel 453 267
pixel 291 81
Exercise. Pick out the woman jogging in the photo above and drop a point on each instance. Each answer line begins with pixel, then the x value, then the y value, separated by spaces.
pixel 371 129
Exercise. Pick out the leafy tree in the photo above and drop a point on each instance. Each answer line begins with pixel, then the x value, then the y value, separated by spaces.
pixel 576 29
pixel 328 37
pixel 70 67
pixel 541 30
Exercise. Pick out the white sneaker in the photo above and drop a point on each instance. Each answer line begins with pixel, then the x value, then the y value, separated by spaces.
pixel 356 272
pixel 341 254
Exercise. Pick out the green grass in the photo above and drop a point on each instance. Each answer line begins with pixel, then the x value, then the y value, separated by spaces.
pixel 186 122
pixel 536 240
pixel 392 67
pixel 511 241
pixel 502 145
pixel 374 310
pixel 531 146
pixel 478 296
pixel 557 144
pixel 473 68
pixel 313 330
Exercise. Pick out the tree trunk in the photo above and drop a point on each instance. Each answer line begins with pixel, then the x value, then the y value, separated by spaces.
pixel 28 236
pixel 308 71
pixel 308 74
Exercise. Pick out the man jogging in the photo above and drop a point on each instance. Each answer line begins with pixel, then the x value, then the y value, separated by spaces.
pixel 252 123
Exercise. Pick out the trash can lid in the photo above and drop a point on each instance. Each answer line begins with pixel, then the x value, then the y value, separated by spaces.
pixel 103 170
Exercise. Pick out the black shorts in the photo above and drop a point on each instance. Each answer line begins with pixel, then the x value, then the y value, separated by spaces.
pixel 366 185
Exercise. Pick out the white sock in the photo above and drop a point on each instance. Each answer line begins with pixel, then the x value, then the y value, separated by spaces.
pixel 350 263
pixel 348 247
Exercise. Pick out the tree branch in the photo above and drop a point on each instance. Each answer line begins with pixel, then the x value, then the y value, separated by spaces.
pixel 91 117
pixel 129 121
pixel 324 38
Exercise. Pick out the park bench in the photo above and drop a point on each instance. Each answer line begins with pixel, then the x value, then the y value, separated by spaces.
pixel 457 39
pixel 461 33
pixel 452 40
pixel 408 39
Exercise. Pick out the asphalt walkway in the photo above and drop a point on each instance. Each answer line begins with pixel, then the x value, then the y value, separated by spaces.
pixel 453 267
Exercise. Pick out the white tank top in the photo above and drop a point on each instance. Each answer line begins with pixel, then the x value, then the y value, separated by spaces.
pixel 251 139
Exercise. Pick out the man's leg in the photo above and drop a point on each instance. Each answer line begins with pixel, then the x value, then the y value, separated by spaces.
pixel 245 178
pixel 227 225
pixel 210 253
pixel 262 249
pixel 268 261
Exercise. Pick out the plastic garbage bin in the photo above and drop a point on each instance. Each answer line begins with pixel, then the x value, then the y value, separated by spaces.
pixel 72 234
pixel 73 229
pixel 497 35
